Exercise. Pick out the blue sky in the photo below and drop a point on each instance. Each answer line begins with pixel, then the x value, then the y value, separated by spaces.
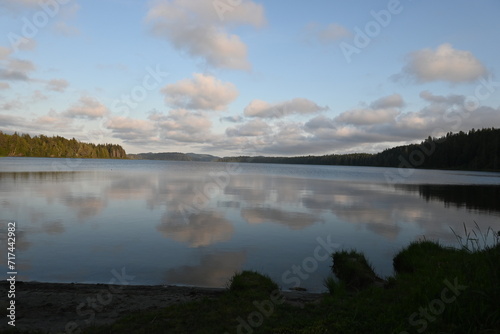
pixel 234 77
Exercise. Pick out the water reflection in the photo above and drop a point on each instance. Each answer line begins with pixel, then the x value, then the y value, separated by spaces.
pixel 212 271
pixel 293 220
pixel 199 229
pixel 473 197
pixel 202 235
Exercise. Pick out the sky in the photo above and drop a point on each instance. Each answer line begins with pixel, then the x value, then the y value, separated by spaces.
pixel 242 77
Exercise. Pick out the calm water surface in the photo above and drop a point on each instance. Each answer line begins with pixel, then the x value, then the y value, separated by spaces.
pixel 191 223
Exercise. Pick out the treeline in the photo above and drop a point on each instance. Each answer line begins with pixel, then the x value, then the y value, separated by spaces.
pixel 474 150
pixel 172 156
pixel 56 147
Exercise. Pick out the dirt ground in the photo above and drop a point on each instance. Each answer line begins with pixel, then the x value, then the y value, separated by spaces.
pixel 67 308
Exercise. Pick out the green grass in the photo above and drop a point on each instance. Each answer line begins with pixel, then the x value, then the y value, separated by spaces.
pixel 352 268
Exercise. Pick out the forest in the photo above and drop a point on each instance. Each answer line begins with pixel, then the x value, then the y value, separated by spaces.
pixel 24 145
pixel 474 150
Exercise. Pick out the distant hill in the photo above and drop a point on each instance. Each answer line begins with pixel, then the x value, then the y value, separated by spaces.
pixel 173 156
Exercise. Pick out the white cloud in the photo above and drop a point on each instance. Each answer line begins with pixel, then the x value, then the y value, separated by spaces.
pixel 203 92
pixel 320 122
pixel 16 70
pixel 367 116
pixel 27 44
pixel 10 105
pixel 443 64
pixel 53 120
pixel 87 107
pixel 63 28
pixel 194 26
pixel 449 100
pixel 4 85
pixel 263 109
pixel 333 32
pixel 231 119
pixel 57 85
pixel 184 126
pixel 254 127
pixel 4 52
pixel 51 123
pixel 132 130
pixel 326 34
pixel 391 101
pixel 38 96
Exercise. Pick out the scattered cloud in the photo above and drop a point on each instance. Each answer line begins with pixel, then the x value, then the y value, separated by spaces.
pixel 184 126
pixel 63 28
pixel 10 105
pixel 38 96
pixel 16 70
pixel 254 127
pixel 57 85
pixel 333 32
pixel 132 130
pixel 4 52
pixel 53 120
pixel 4 85
pixel 203 92
pixel 391 101
pixel 195 27
pixel 443 64
pixel 449 100
pixel 7 121
pixel 263 109
pixel 367 116
pixel 27 44
pixel 87 107
pixel 232 119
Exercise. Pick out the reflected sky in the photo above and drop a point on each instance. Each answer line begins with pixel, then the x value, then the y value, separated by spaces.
pixel 198 223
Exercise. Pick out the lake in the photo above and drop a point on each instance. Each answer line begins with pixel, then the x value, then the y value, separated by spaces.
pixel 197 223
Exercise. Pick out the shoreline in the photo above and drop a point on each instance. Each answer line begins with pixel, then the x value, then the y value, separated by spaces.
pixel 70 307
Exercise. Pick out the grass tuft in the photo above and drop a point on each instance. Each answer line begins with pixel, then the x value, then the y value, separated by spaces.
pixel 352 268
